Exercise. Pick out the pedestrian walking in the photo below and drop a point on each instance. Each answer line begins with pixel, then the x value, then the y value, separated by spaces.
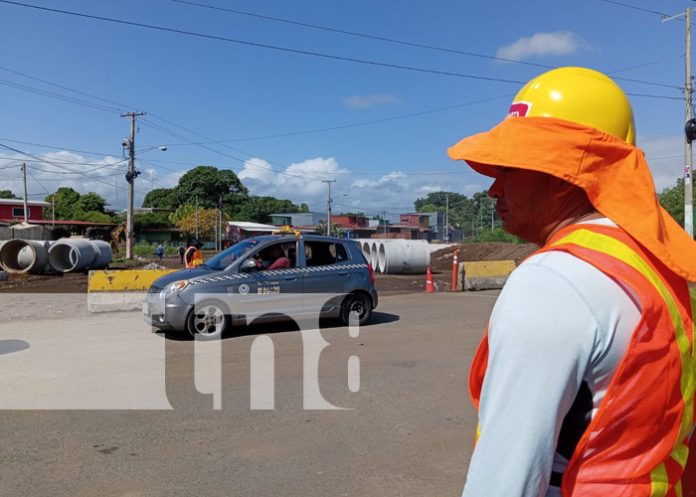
pixel 159 252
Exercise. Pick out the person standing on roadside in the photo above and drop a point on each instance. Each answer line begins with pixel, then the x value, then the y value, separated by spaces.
pixel 584 380
pixel 181 250
pixel 193 256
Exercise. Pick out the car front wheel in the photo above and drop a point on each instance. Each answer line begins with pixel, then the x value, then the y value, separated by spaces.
pixel 359 305
pixel 208 320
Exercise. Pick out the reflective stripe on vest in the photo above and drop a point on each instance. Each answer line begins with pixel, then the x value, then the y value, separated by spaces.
pixel 660 481
pixel 637 440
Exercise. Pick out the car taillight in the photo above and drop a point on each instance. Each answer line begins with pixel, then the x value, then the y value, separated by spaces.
pixel 372 273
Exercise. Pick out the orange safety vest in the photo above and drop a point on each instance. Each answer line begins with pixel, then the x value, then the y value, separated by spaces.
pixel 196 259
pixel 636 445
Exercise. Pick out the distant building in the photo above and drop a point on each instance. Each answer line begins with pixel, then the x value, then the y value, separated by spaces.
pixel 12 210
pixel 298 219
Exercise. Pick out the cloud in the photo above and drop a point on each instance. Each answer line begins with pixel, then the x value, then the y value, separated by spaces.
pixel 541 44
pixel 360 102
pixel 104 176
pixel 394 192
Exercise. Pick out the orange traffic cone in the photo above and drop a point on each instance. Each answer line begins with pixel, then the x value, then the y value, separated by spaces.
pixel 429 287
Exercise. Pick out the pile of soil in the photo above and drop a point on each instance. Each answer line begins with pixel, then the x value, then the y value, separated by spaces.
pixel 441 260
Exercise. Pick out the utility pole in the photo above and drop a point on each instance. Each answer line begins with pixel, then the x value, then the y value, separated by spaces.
pixel 688 162
pixel 688 184
pixel 328 205
pixel 130 178
pixel 384 218
pixel 26 205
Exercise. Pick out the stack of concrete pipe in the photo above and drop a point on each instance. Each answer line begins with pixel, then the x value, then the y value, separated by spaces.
pixel 396 256
pixel 63 256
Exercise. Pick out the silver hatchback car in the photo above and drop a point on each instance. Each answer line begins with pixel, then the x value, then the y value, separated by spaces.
pixel 262 279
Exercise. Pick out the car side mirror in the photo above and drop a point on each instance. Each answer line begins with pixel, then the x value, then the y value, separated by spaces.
pixel 248 265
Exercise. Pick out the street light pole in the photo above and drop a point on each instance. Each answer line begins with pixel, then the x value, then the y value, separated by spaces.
pixel 328 216
pixel 26 204
pixel 130 178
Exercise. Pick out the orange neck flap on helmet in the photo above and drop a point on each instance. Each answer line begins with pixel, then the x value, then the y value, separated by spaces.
pixel 613 174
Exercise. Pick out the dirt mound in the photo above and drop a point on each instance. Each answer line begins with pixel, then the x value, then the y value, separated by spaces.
pixel 491 251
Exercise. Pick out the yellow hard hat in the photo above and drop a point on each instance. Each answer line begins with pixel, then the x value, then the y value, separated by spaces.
pixel 579 95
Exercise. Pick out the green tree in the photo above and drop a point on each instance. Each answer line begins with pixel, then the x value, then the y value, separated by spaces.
pixel 92 216
pixel 161 198
pixel 66 202
pixel 7 194
pixel 208 184
pixel 90 201
pixel 145 220
pixel 206 223
pixel 672 199
pixel 181 212
pixel 259 209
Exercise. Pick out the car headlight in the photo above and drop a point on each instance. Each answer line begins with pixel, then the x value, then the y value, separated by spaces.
pixel 174 288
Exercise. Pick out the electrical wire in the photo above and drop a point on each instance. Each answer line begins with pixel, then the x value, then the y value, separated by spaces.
pixel 266 46
pixel 46 93
pixel 352 125
pixel 60 166
pixel 634 7
pixel 396 41
pixel 83 93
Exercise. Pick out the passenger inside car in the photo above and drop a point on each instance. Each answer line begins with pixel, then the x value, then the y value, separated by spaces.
pixel 273 257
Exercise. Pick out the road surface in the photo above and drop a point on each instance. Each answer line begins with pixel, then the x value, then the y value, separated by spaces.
pixel 99 405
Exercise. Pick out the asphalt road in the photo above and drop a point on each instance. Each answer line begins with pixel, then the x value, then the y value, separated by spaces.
pixel 99 405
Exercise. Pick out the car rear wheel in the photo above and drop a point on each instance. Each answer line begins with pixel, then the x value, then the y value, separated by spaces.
pixel 208 320
pixel 359 305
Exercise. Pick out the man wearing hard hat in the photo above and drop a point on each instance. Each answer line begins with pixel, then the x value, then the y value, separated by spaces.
pixel 584 380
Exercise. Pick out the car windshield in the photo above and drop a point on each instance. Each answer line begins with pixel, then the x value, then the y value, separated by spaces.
pixel 231 254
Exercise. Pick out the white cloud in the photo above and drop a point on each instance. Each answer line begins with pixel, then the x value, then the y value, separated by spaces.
pixel 365 101
pixel 104 176
pixel 394 192
pixel 541 44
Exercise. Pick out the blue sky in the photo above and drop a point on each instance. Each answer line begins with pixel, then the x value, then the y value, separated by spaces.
pixel 240 93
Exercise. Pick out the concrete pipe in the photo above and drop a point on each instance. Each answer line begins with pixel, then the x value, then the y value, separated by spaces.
pixel 104 254
pixel 374 260
pixel 365 247
pixel 24 256
pixel 67 255
pixel 404 256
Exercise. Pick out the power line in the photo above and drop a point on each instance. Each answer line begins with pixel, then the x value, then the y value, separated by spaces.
pixel 645 95
pixel 634 7
pixel 396 41
pixel 60 166
pixel 243 161
pixel 58 96
pixel 266 46
pixel 365 35
pixel 83 93
pixel 355 125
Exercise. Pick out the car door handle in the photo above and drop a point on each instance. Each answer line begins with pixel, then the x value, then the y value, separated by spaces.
pixel 343 273
pixel 290 278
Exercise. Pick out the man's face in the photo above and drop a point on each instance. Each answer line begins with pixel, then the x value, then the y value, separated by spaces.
pixel 529 203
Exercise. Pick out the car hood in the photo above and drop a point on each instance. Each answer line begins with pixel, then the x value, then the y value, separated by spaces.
pixel 185 274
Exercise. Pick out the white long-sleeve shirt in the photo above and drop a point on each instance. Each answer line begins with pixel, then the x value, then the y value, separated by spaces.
pixel 557 322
